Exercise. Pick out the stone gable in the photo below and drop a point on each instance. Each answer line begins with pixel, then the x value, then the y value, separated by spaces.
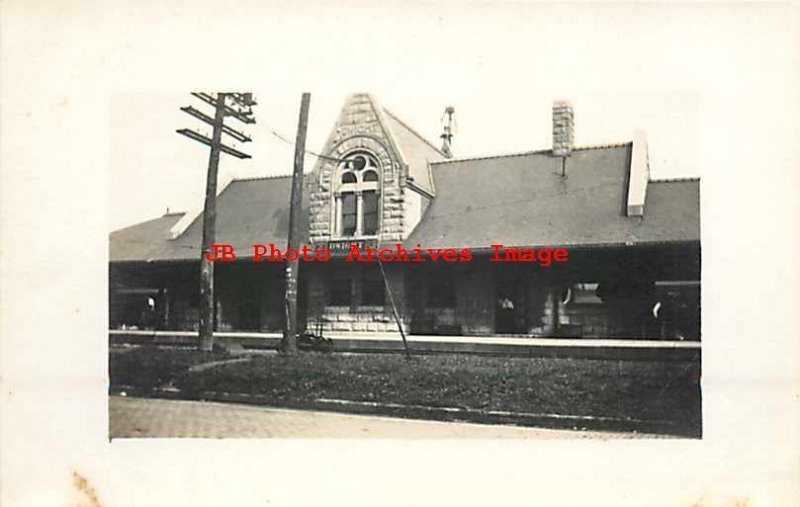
pixel 358 128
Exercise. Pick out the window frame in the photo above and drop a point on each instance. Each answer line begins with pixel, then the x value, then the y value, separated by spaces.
pixel 344 214
pixel 341 273
pixel 356 280
pixel 346 167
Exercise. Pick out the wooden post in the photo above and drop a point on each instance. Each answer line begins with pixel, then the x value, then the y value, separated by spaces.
pixel 206 309
pixel 209 237
pixel 394 310
pixel 289 344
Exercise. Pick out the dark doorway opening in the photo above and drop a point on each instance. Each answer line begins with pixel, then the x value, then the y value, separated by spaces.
pixel 510 316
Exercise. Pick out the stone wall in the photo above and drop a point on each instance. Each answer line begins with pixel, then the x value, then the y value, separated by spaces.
pixel 356 317
pixel 358 128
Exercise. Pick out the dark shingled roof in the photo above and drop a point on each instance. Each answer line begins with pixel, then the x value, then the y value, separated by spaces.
pixel 514 200
pixel 145 241
pixel 522 200
pixel 416 150
pixel 248 212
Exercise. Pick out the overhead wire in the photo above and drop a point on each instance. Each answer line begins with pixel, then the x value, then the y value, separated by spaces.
pixel 307 152
pixel 439 216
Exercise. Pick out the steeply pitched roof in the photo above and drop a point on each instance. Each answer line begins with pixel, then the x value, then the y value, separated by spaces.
pixel 363 110
pixel 416 150
pixel 514 200
pixel 522 200
pixel 248 212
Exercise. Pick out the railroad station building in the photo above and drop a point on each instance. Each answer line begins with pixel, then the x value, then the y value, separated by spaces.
pixel 633 242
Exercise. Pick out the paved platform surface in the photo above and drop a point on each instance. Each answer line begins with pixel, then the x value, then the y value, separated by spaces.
pixel 374 342
pixel 140 417
pixel 392 337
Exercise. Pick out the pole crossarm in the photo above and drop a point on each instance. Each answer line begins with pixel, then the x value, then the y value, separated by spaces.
pixel 208 99
pixel 191 134
pixel 207 306
pixel 245 99
pixel 239 136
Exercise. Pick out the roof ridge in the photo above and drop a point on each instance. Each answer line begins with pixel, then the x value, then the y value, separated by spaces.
pixel 485 157
pixel 601 146
pixel 137 224
pixel 391 137
pixel 530 152
pixel 269 177
pixel 410 129
pixel 676 180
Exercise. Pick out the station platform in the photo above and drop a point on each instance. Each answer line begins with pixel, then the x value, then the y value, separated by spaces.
pixel 500 345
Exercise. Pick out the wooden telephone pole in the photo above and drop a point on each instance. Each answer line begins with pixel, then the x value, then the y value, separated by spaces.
pixel 289 343
pixel 240 109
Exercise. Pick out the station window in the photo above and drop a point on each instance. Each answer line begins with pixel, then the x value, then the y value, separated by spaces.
pixel 349 214
pixel 340 288
pixel 357 196
pixel 370 205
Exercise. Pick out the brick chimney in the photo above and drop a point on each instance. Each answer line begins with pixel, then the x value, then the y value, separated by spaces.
pixel 563 128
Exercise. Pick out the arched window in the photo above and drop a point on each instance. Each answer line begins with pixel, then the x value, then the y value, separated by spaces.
pixel 357 196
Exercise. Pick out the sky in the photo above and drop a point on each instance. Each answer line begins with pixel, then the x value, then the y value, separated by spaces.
pixel 88 145
pixel 500 69
pixel 164 170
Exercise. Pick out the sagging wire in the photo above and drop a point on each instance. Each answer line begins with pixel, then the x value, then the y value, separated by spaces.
pixel 307 152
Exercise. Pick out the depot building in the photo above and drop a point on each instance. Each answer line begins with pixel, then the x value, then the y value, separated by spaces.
pixel 633 243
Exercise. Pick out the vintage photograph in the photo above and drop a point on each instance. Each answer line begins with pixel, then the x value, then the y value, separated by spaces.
pixel 399 254
pixel 397 281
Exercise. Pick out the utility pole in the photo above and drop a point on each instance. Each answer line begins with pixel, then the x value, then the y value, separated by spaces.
pixel 289 344
pixel 240 109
